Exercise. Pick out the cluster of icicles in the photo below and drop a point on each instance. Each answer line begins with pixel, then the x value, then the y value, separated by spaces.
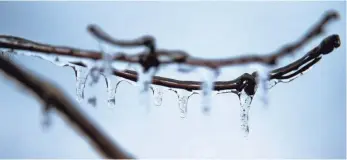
pixel 145 87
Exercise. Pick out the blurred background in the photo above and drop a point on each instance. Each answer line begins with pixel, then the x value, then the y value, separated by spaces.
pixel 304 119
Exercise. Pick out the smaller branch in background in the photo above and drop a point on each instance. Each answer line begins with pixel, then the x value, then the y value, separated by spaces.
pixel 169 56
pixel 53 98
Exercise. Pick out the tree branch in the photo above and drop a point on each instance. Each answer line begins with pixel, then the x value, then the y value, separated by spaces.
pixel 177 56
pixel 53 98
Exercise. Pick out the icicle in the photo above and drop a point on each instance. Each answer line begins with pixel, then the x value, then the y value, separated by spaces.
pixel 81 78
pixel 183 105
pixel 143 82
pixel 262 83
pixel 158 95
pixel 209 77
pixel 183 97
pixel 94 75
pixel 111 92
pixel 144 79
pixel 245 102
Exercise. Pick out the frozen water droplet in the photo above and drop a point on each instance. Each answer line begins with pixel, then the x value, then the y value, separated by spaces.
pixel 209 77
pixel 245 103
pixel 228 91
pixel 92 101
pixel 158 95
pixel 81 78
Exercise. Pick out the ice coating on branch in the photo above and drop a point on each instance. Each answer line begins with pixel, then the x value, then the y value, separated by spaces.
pixel 209 77
pixel 81 79
pixel 273 82
pixel 158 95
pixel 245 103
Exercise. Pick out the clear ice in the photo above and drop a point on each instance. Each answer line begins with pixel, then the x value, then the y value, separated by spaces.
pixel 183 97
pixel 245 103
pixel 209 77
pixel 81 79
